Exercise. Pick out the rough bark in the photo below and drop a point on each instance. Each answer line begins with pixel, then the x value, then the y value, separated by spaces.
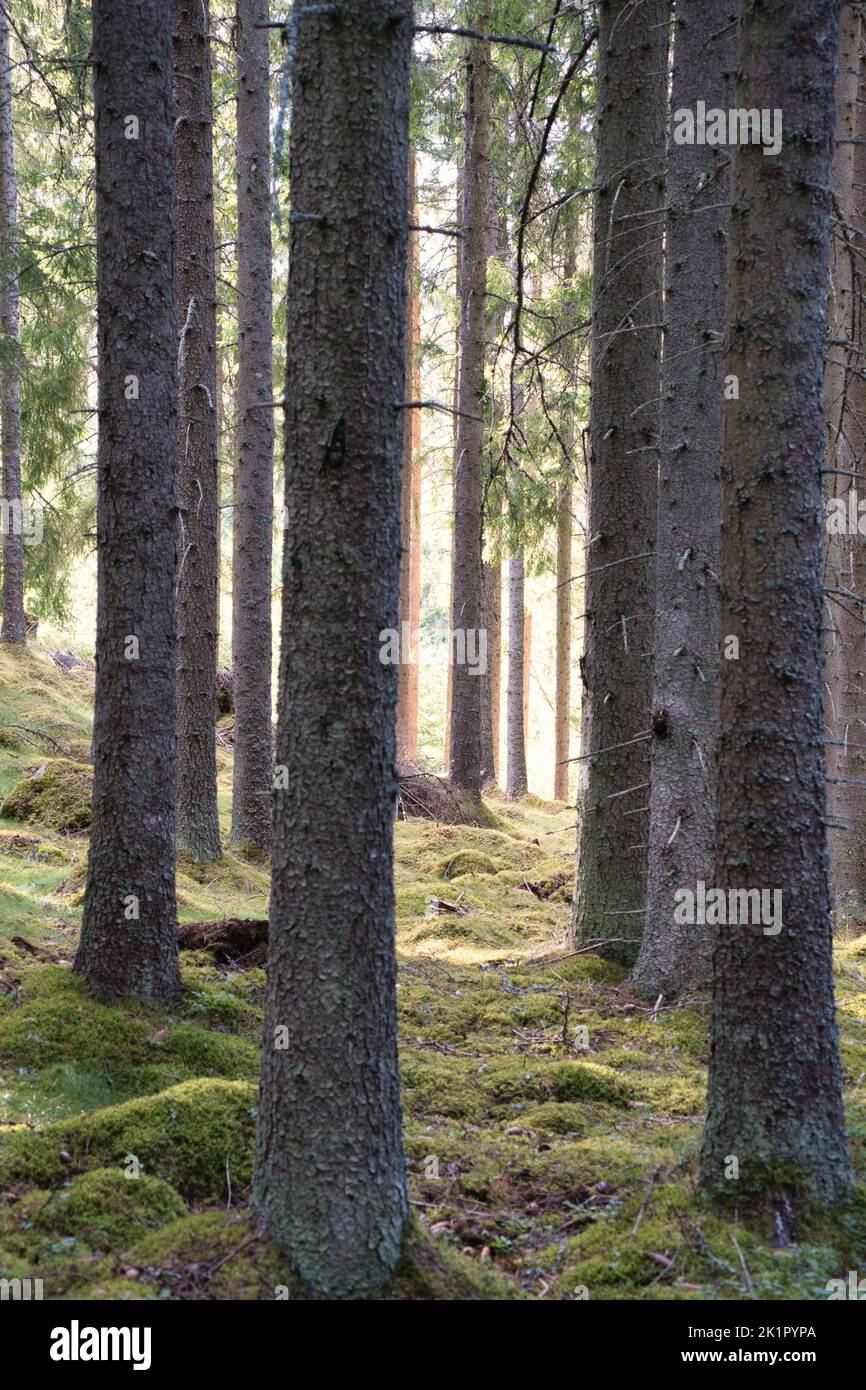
pixel 516 783
pixel 14 627
pixel 128 939
pixel 623 437
pixel 329 1174
pixel 465 725
pixel 410 500
pixel 845 554
pixel 775 1086
pixel 254 507
pixel 685 701
pixel 198 473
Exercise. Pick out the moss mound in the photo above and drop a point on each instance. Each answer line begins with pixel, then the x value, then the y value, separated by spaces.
pixel 198 1136
pixel 57 794
pixel 102 1210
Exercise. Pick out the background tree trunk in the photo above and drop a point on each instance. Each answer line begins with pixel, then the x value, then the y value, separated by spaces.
pixel 198 476
pixel 623 433
pixel 254 506
pixel 410 555
pixel 845 555
pixel 330 1178
pixel 129 933
pixel 775 1085
pixel 682 800
pixel 455 404
pixel 516 783
pixel 564 561
pixel 465 759
pixel 14 628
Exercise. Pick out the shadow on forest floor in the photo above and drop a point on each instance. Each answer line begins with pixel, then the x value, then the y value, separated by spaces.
pixel 552 1119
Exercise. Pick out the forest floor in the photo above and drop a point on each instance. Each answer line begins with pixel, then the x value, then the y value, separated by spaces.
pixel 552 1118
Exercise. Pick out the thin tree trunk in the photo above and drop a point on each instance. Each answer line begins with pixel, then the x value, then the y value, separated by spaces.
pixel 455 405
pixel 845 563
pixel 623 431
pixel 682 800
pixel 775 1084
pixel 465 761
pixel 410 553
pixel 330 1181
pixel 129 933
pixel 198 477
pixel 254 508
pixel 14 628
pixel 516 783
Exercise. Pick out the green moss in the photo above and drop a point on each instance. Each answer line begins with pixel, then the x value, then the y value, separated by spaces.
pixel 467 861
pixel 103 1209
pixel 58 794
pixel 198 1136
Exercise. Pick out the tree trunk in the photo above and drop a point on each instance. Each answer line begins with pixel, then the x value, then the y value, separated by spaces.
pixel 516 783
pixel 490 679
pixel 254 507
pixel 623 432
pixel 682 800
pixel 845 562
pixel 465 760
pixel 564 571
pixel 329 1176
pixel 455 403
pixel 129 933
pixel 14 627
pixel 775 1086
pixel 410 554
pixel 198 476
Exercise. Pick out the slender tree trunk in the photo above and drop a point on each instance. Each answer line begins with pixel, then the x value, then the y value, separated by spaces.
pixel 254 509
pixel 775 1085
pixel 410 554
pixel 682 800
pixel 455 405
pixel 129 933
pixel 623 430
pixel 516 783
pixel 564 571
pixel 330 1177
pixel 491 678
pixel 845 562
pixel 198 478
pixel 14 628
pixel 465 768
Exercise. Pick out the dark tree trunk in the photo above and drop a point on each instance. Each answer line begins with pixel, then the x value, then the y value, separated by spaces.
pixel 128 938
pixel 329 1177
pixel 775 1086
pixel 465 724
pixel 623 434
pixel 198 476
pixel 516 783
pixel 14 628
pixel 254 506
pixel 410 502
pixel 682 801
pixel 845 562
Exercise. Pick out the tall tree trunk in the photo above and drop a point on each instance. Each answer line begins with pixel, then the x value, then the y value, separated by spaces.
pixel 845 563
pixel 465 761
pixel 14 628
pixel 455 404
pixel 516 783
pixel 410 554
pixel 329 1176
pixel 564 535
pixel 198 477
pixel 775 1085
pixel 129 933
pixel 254 506
pixel 490 679
pixel 623 432
pixel 682 800
pixel 564 571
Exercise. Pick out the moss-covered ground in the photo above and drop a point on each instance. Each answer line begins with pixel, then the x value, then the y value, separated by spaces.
pixel 552 1118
